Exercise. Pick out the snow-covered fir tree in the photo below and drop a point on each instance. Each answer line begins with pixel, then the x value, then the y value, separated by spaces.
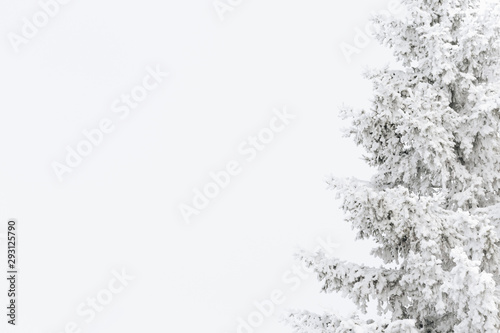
pixel 432 134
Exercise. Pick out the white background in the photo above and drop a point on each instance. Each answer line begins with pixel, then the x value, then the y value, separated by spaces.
pixel 120 207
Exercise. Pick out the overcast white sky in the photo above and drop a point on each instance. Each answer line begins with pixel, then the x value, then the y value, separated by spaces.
pixel 120 207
